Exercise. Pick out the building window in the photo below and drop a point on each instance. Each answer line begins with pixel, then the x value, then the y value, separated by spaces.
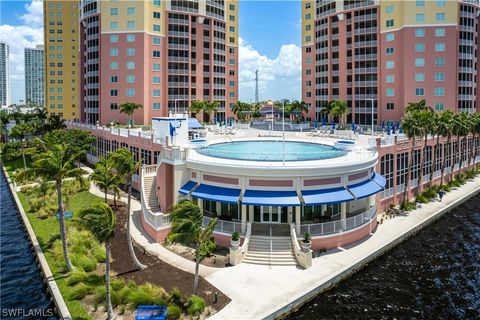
pixel 390 64
pixel 113 93
pixel 420 3
pixel 130 51
pixel 390 37
pixel 440 32
pixel 386 170
pixel 439 47
pixel 113 106
pixel 156 93
pixel 402 169
pixel 113 38
pixel 130 11
pixel 308 38
pixel 419 32
pixel 390 79
pixel 156 27
pixel 156 80
pixel 114 65
pixel 440 16
pixel 156 106
pixel 390 105
pixel 113 52
pixel 232 7
pixel 389 23
pixel 439 92
pixel 439 62
pixel 419 92
pixel 113 25
pixel 308 16
pixel 231 83
pixel 232 29
pixel 440 3
pixel 419 62
pixel 390 92
pixel 130 38
pixel 232 62
pixel 308 72
pixel 156 41
pixel 114 11
pixel 420 17
pixel 130 65
pixel 419 76
pixel 390 9
pixel 419 47
pixel 130 79
pixel 231 72
pixel 308 61
pixel 440 76
pixel 156 3
pixel 231 94
pixel 231 18
pixel 389 51
pixel 130 24
pixel 308 27
pixel 439 106
pixel 156 67
pixel 231 39
pixel 231 50
pixel 130 92
pixel 156 15
pixel 156 53
pixel 113 79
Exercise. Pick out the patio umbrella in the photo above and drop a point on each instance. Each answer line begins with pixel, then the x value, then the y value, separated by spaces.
pixel 333 125
pixel 383 125
pixel 324 122
pixel 231 120
pixel 315 125
pixel 214 120
pixel 393 129
pixel 353 126
pixel 388 130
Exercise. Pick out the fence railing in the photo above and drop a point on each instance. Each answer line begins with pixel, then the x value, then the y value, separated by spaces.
pixel 224 226
pixel 326 228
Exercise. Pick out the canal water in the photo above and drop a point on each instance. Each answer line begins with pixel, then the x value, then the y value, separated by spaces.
pixel 23 294
pixel 432 275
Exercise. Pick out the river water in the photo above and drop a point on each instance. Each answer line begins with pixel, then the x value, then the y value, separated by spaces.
pixel 432 275
pixel 23 294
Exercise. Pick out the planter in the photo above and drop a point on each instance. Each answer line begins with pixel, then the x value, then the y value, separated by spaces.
pixel 306 246
pixel 235 244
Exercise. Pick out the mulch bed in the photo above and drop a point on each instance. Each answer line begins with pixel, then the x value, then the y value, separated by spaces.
pixel 158 272
pixel 218 259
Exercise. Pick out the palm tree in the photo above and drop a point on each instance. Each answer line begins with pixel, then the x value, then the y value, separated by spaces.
pixel 412 128
pixel 126 167
pixel 187 228
pixel 129 109
pixel 56 163
pixel 435 131
pixel 475 132
pixel 210 108
pixel 339 108
pixel 416 106
pixel 100 221
pixel 20 132
pixel 326 109
pixel 445 129
pixel 461 128
pixel 55 122
pixel 240 108
pixel 425 121
pixel 105 177
pixel 196 106
pixel 42 115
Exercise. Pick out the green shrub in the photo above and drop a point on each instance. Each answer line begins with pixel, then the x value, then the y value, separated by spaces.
pixel 147 294
pixel 195 305
pixel 76 277
pixel 83 262
pixel 78 292
pixel 99 253
pixel 117 284
pixel 407 206
pixel 176 297
pixel 421 199
pixel 94 279
pixel 446 188
pixel 430 193
pixel 173 312
pixel 207 248
pixel 100 295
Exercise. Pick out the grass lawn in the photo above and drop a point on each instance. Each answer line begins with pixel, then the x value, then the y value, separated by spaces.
pixel 45 229
pixel 11 166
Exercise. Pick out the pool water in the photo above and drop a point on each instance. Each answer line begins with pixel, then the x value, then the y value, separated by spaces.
pixel 271 151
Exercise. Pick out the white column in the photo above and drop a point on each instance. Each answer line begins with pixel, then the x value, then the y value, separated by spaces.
pixel 244 217
pixel 289 215
pixel 250 213
pixel 200 205
pixel 297 219
pixel 372 200
pixel 218 206
pixel 343 214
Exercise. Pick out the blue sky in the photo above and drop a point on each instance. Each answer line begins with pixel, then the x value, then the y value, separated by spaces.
pixel 270 35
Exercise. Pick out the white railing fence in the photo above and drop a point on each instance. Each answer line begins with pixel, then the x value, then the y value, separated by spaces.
pixel 156 219
pixel 224 226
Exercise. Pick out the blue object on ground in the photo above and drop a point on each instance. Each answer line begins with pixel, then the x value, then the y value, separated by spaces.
pixel 66 214
pixel 151 313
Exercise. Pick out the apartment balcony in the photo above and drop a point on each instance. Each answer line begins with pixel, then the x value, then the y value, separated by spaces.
pixel 178 97
pixel 365 31
pixel 468 84
pixel 178 71
pixel 178 59
pixel 465 69
pixel 206 50
pixel 322 50
pixel 219 86
pixel 219 98
pixel 183 22
pixel 206 86
pixel 219 74
pixel 321 74
pixel 468 56
pixel 365 110
pixel 92 86
pixel 366 57
pixel 177 84
pixel 364 97
pixel 178 46
pixel 366 84
pixel 366 70
pixel 206 39
pixel 218 28
pixel 92 98
pixel 366 17
pixel 467 14
pixel 321 86
pixel 178 34
pixel 362 44
pixel 219 63
pixel 219 40
pixel 466 97
pixel 219 51
pixel 91 110
pixel 466 42
pixel 466 28
pixel 334 36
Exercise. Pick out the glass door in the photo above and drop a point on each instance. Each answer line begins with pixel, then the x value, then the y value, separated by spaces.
pixel 275 218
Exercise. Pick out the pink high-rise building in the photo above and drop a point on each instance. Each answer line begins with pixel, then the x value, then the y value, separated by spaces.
pixel 161 54
pixel 385 54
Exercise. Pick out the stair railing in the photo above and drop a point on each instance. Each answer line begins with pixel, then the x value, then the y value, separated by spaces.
pixel 271 249
pixel 304 258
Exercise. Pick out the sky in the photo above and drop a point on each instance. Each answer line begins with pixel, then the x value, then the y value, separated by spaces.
pixel 270 35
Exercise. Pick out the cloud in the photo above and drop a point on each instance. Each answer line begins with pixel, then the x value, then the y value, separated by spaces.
pixel 278 78
pixel 18 38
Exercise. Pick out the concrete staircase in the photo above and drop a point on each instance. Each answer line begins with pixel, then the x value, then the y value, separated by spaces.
pixel 151 194
pixel 265 250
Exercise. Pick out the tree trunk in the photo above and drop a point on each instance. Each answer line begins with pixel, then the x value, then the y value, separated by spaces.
pixel 423 155
pixel 197 267
pixel 444 161
pixel 23 157
pixel 110 314
pixel 63 229
pixel 136 262
pixel 409 172
pixel 105 192
pixel 434 160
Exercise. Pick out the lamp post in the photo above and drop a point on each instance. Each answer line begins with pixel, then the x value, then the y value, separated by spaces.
pixel 283 132
pixel 371 100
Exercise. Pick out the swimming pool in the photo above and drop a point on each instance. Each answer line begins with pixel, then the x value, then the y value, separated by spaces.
pixel 271 151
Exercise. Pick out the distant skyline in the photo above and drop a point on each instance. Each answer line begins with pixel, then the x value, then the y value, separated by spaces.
pixel 270 35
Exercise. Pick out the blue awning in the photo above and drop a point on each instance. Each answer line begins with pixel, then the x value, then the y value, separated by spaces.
pixel 270 198
pixel 379 179
pixel 194 124
pixel 326 196
pixel 187 187
pixel 364 189
pixel 214 193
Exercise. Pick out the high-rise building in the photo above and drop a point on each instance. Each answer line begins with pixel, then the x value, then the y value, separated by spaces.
pixel 4 75
pixel 381 55
pixel 34 76
pixel 160 54
pixel 61 43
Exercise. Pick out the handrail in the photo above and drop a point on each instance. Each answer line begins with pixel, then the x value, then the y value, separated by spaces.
pixel 271 248
pixel 244 247
pixel 237 254
pixel 224 226
pixel 156 220
pixel 304 258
